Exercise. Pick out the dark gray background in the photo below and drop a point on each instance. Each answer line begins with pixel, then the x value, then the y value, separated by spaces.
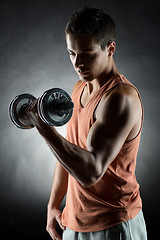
pixel 33 58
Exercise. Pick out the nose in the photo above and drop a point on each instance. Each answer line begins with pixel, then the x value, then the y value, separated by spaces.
pixel 78 62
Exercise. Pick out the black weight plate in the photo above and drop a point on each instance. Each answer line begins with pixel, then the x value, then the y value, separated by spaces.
pixel 48 110
pixel 17 111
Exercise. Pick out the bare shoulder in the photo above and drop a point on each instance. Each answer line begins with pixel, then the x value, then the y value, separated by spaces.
pixel 76 86
pixel 121 94
pixel 126 90
pixel 121 98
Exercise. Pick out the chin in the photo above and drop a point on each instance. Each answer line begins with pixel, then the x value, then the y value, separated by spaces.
pixel 86 79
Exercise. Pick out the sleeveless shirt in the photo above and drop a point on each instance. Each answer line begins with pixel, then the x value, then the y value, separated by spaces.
pixel 115 198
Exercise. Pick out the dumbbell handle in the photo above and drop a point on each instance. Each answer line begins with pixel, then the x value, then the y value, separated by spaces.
pixel 58 107
pixel 61 107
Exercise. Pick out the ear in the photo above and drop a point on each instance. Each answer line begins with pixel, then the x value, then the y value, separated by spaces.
pixel 111 48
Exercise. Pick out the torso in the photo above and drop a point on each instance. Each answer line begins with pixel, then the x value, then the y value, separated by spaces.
pixel 115 198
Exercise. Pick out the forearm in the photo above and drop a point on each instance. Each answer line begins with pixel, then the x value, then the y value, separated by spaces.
pixel 77 161
pixel 59 186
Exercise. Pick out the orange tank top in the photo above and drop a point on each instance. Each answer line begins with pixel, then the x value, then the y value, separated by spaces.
pixel 115 198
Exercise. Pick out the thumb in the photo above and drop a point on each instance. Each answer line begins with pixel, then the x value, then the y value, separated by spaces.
pixel 58 219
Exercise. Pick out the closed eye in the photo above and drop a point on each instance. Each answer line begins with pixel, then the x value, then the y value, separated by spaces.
pixel 71 53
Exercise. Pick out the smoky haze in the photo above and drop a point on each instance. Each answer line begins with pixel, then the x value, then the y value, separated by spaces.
pixel 33 58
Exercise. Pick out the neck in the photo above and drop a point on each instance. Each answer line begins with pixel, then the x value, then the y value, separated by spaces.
pixel 97 83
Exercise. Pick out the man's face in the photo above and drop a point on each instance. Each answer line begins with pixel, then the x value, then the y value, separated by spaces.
pixel 87 57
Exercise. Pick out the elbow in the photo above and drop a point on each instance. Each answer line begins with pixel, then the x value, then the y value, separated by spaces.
pixel 91 173
pixel 91 179
pixel 89 182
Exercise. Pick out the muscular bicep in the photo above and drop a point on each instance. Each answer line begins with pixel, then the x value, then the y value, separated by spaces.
pixel 115 119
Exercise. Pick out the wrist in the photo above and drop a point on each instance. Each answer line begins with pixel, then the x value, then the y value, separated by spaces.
pixel 46 130
pixel 53 205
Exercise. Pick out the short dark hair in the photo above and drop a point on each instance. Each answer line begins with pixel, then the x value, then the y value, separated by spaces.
pixel 93 22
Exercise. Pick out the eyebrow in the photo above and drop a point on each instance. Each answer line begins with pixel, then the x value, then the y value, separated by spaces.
pixel 84 50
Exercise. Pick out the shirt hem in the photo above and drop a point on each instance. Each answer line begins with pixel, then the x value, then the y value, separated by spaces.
pixel 99 227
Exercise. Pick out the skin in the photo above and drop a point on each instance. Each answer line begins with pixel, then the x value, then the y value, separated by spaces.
pixel 117 119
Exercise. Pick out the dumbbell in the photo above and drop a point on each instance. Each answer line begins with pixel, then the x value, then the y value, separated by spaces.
pixel 55 107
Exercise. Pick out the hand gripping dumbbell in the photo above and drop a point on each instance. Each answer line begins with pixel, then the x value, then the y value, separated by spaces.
pixel 55 107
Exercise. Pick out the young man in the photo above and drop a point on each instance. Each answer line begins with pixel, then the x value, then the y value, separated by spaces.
pixel 97 160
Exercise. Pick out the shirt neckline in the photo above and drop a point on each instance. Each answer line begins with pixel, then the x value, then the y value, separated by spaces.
pixel 109 80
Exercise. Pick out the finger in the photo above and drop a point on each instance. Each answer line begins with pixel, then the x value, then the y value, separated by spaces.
pixel 54 235
pixel 32 104
pixel 58 219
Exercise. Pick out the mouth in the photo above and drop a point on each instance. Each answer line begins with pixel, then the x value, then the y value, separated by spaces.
pixel 84 73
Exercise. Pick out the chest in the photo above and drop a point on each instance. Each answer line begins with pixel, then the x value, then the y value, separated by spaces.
pixel 86 97
pixel 86 101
